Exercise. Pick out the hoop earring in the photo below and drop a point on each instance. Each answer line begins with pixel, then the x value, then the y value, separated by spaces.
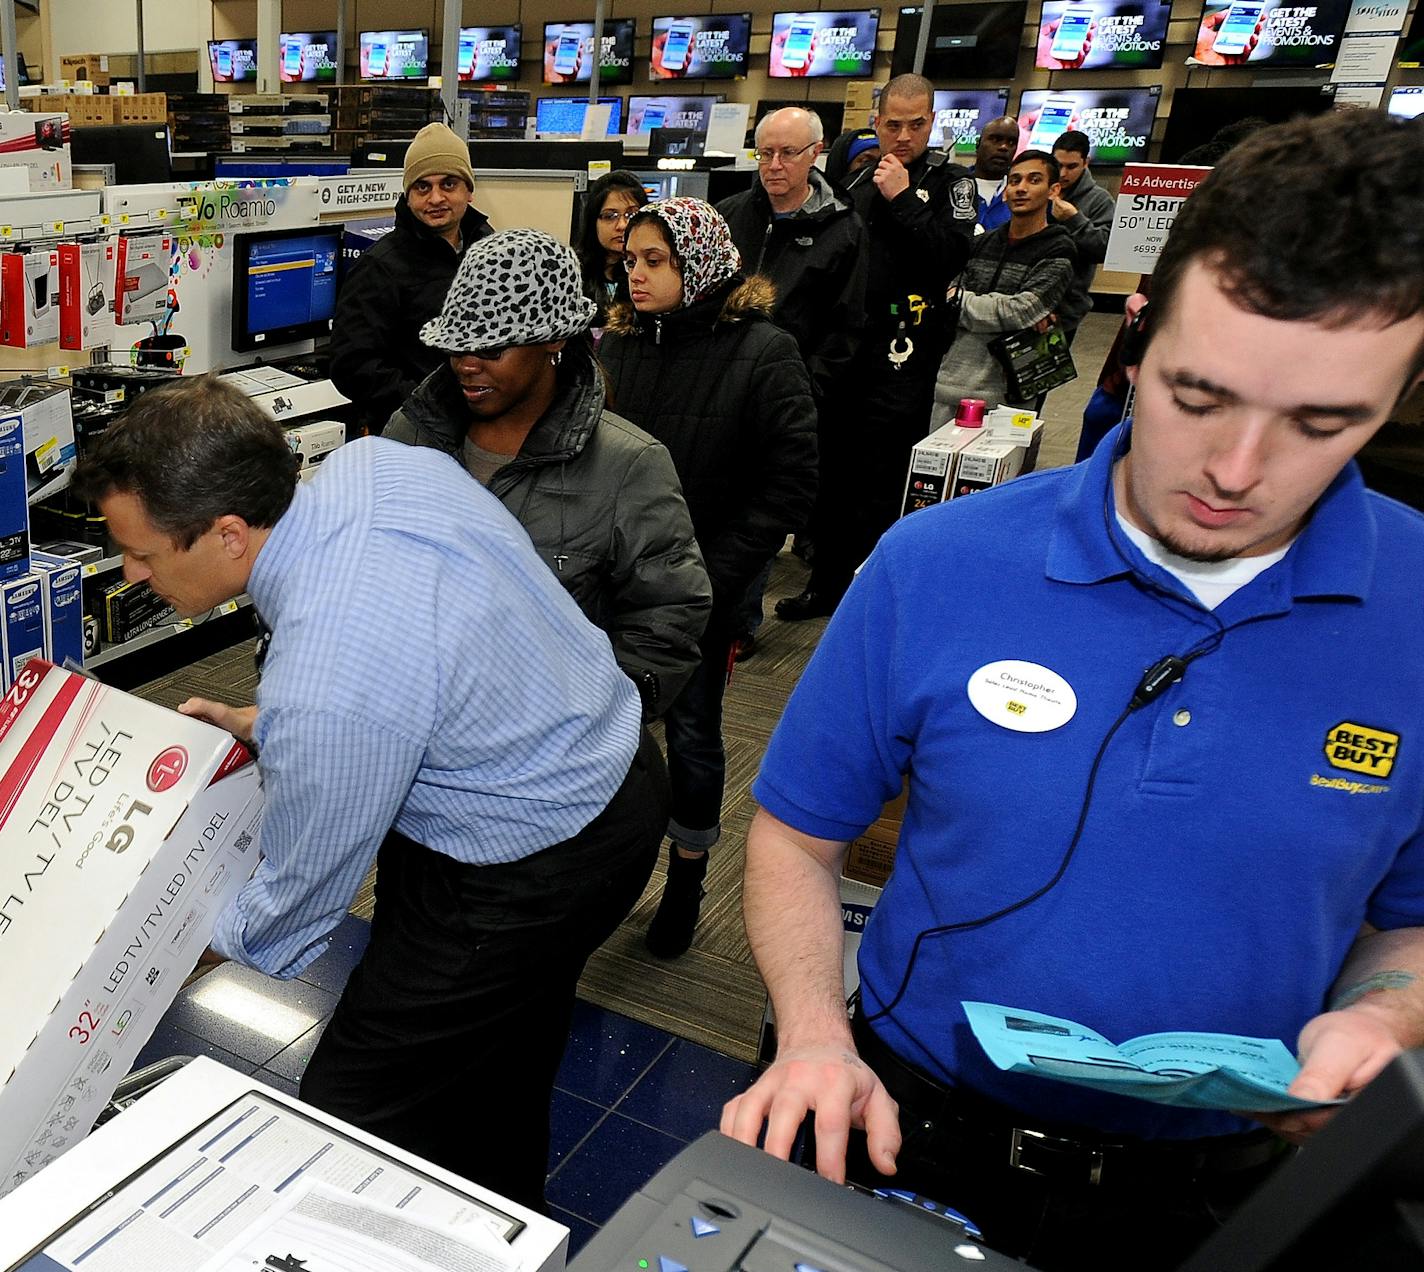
pixel 556 357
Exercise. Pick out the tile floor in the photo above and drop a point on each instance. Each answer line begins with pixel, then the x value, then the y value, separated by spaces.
pixel 627 1098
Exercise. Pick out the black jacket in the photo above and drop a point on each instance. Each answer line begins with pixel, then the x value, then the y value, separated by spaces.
pixel 601 502
pixel 817 260
pixel 725 390
pixel 394 289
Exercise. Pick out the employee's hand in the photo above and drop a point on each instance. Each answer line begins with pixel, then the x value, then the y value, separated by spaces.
pixel 239 721
pixel 891 177
pixel 1340 1052
pixel 839 1087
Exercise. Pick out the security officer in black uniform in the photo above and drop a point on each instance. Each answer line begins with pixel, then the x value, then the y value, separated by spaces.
pixel 920 211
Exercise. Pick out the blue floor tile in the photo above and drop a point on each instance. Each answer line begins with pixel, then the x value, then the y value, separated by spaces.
pixel 348 943
pixel 607 1053
pixel 291 1061
pixel 683 1093
pixel 251 1015
pixel 581 1232
pixel 609 1167
pixel 169 1040
pixel 570 1119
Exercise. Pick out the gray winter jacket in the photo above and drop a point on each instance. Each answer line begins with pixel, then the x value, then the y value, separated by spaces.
pixel 603 506
pixel 1089 228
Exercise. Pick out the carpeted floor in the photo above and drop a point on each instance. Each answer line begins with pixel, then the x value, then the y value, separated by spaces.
pixel 713 994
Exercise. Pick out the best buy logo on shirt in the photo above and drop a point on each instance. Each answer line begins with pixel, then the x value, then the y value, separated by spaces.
pixel 1359 749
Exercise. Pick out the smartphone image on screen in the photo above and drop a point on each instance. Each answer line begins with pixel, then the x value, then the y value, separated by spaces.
pixel 1072 32
pixel 653 117
pixel 376 60
pixel 1053 119
pixel 224 62
pixel 292 60
pixel 679 43
pixel 566 55
pixel 1238 28
pixel 796 52
pixel 466 59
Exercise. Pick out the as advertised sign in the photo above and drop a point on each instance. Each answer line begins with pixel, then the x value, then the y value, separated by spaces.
pixel 1148 201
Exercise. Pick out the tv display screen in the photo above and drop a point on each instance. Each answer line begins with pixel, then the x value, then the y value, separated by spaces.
pixel 283 285
pixel 824 43
pixel 568 52
pixel 714 46
pixel 565 115
pixel 967 41
pixel 1198 114
pixel 1411 47
pixel 233 61
pixel 692 114
pixel 489 53
pixel 308 56
pixel 960 116
pixel 395 55
pixel 1264 33
pixel 1407 101
pixel 1101 35
pixel 1118 121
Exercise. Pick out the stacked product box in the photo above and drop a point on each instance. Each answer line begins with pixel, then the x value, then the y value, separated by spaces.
pixel 41 616
pixel 954 461
pixel 128 828
pixel 14 499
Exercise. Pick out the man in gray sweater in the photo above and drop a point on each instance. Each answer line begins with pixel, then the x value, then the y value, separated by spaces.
pixel 1085 210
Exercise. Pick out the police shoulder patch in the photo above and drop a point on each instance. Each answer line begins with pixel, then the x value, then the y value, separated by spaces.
pixel 1357 748
pixel 961 199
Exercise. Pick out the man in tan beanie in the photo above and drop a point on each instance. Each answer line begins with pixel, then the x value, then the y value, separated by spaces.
pixel 377 358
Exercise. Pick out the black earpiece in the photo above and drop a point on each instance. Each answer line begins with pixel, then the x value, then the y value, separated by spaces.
pixel 1134 339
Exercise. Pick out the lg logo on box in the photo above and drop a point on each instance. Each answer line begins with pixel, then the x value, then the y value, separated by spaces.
pixel 165 771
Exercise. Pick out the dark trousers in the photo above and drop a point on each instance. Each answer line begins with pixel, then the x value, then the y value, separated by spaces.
pixel 1149 1211
pixel 697 761
pixel 452 1026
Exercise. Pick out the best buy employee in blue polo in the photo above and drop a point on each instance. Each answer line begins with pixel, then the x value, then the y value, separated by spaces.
pixel 1234 843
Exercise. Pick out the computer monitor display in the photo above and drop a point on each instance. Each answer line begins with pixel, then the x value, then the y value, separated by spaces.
pixel 1283 35
pixel 490 53
pixel 960 116
pixel 1118 121
pixel 568 52
pixel 1411 47
pixel 967 41
pixel 24 70
pixel 233 61
pixel 395 55
pixel 692 114
pixel 309 57
pixel 1407 101
pixel 1198 114
pixel 824 43
pixel 714 46
pixel 1101 35
pixel 565 115
pixel 283 286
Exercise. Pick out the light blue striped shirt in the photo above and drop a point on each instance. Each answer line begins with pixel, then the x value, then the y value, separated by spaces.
pixel 428 671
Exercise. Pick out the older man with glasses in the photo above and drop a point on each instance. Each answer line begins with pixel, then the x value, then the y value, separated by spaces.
pixel 795 229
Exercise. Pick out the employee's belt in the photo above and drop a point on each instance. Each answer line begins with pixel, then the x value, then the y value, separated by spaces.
pixel 1074 1157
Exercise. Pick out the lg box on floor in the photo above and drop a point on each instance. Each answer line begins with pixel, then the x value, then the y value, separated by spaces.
pixel 125 828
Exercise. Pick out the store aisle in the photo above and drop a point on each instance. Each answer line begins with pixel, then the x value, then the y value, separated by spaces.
pixel 628 1096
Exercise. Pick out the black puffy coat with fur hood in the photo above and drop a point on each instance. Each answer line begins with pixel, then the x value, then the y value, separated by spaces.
pixel 725 390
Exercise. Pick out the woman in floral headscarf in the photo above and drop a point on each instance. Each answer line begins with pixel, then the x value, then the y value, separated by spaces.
pixel 696 361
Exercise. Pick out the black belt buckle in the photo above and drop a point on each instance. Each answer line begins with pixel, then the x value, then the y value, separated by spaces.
pixel 1054 1157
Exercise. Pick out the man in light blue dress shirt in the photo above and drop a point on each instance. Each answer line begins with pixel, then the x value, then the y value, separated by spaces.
pixel 431 699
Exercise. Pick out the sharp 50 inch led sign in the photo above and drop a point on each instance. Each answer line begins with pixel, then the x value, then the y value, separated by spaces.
pixel 710 47
pixel 824 43
pixel 1100 35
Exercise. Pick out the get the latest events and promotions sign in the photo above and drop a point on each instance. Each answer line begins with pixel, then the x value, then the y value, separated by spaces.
pixel 1148 201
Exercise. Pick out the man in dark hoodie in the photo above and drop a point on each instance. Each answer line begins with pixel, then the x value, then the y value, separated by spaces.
pixel 377 357
pixel 1015 278
pixel 1085 210
pixel 919 210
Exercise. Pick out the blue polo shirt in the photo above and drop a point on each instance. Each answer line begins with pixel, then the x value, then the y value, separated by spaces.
pixel 1242 827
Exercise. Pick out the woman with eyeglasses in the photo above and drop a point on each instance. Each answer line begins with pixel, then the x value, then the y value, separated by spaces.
pixel 611 203
pixel 519 401
pixel 695 359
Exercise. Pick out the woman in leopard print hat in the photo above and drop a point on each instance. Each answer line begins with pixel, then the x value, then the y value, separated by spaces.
pixel 696 360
